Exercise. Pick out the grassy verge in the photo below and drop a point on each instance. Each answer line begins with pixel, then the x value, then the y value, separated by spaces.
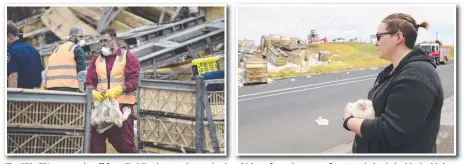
pixel 451 55
pixel 345 56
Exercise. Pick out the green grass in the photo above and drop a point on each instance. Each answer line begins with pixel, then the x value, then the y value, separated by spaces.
pixel 351 56
pixel 451 55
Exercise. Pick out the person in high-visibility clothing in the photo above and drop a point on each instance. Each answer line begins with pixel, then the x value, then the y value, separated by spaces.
pixel 65 62
pixel 114 74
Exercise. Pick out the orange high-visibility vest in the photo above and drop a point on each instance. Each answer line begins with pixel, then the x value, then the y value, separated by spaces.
pixel 117 77
pixel 61 69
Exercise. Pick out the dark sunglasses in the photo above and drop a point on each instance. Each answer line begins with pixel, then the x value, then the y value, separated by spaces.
pixel 379 35
pixel 104 41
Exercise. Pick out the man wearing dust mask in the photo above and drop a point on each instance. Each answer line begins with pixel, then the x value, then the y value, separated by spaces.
pixel 65 62
pixel 114 74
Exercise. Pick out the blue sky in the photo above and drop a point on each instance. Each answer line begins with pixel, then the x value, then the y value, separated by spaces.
pixel 347 21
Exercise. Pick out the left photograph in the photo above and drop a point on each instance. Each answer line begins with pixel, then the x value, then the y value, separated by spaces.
pixel 116 79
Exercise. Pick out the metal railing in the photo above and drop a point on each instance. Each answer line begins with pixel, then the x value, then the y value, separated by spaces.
pixel 59 122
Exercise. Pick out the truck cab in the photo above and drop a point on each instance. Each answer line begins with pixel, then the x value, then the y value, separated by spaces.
pixel 434 50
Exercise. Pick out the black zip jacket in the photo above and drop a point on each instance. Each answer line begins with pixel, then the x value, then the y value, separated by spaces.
pixel 407 104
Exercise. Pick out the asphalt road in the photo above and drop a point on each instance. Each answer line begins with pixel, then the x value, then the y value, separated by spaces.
pixel 280 117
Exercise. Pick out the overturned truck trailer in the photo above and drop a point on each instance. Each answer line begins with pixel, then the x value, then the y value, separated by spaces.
pixel 164 44
pixel 185 43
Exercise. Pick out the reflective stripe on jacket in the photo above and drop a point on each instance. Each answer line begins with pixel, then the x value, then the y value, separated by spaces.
pixel 62 67
pixel 117 77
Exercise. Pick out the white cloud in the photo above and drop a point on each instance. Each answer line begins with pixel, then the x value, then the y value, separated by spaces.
pixel 340 21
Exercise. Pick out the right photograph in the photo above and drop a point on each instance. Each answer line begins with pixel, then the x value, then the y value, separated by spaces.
pixel 346 79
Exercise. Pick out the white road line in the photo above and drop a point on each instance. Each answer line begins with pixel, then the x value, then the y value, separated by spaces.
pixel 259 93
pixel 446 65
pixel 328 82
pixel 306 89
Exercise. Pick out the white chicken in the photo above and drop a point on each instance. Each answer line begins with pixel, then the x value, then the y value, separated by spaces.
pixel 107 113
pixel 362 109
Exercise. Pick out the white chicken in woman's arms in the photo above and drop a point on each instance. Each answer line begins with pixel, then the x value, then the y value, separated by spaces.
pixel 362 109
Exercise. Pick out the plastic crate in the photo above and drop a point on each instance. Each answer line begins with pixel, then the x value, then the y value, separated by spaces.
pixel 178 132
pixel 179 102
pixel 46 115
pixel 19 143
pixel 204 65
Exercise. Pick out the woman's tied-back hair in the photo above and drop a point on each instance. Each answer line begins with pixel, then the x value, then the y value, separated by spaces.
pixel 400 22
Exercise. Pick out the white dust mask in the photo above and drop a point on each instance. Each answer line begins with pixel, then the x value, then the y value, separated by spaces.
pixel 106 51
pixel 81 43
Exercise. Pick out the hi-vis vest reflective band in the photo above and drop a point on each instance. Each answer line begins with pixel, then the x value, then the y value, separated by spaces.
pixel 117 77
pixel 62 67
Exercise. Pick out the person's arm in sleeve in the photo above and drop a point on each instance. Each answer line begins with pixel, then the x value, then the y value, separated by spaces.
pixel 79 56
pixel 132 73
pixel 12 71
pixel 91 78
pixel 408 105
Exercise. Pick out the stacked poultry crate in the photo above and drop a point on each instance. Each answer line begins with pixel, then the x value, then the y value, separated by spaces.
pixel 276 56
pixel 168 116
pixel 255 70
pixel 47 122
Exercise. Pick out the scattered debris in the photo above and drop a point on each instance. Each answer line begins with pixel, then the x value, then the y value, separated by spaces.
pixel 292 79
pixel 273 68
pixel 362 69
pixel 240 76
pixel 347 72
pixel 308 77
pixel 182 149
pixel 374 68
pixel 269 80
pixel 277 56
pixel 443 134
pixel 321 121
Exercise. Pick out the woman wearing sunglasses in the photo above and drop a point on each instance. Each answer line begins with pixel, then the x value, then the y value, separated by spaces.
pixel 407 95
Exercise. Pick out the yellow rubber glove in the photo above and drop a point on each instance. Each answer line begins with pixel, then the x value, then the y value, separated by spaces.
pixel 113 92
pixel 43 87
pixel 97 96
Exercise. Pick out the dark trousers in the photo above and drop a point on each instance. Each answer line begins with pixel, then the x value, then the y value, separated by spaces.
pixel 122 138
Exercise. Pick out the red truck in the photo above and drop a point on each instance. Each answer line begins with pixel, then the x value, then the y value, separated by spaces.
pixel 436 50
